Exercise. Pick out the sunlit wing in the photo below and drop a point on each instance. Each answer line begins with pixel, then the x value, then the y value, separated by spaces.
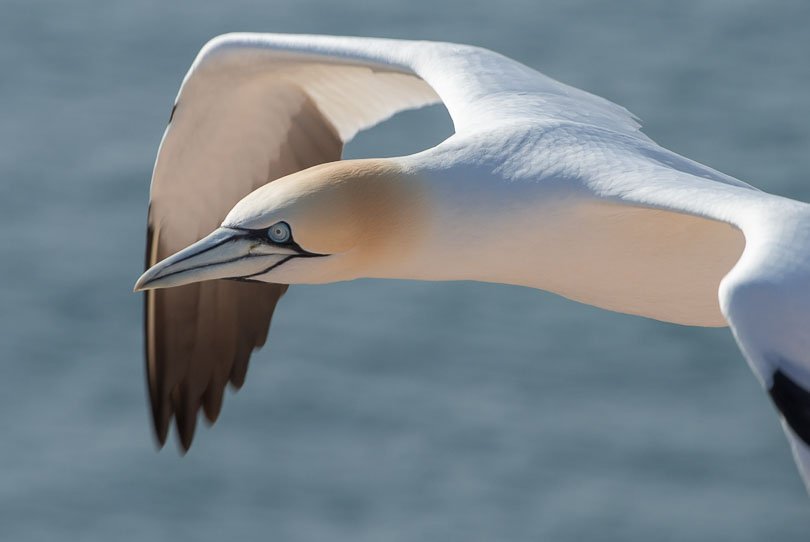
pixel 236 126
pixel 256 107
pixel 200 336
pixel 681 242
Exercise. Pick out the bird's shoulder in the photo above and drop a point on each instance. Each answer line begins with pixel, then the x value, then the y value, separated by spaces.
pixel 766 296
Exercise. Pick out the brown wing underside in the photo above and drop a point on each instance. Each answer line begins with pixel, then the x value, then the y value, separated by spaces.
pixel 199 337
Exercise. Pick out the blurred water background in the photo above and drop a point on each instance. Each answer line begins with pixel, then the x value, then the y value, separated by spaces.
pixel 383 410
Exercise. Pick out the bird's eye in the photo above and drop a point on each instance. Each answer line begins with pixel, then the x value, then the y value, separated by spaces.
pixel 279 232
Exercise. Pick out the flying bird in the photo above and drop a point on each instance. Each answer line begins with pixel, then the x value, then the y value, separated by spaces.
pixel 541 185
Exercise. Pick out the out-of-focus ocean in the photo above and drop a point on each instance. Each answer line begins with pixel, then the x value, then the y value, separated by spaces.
pixel 383 410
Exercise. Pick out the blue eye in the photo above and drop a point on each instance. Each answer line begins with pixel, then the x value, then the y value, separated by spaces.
pixel 279 232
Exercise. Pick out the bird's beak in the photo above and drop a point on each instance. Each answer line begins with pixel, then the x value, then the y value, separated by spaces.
pixel 226 253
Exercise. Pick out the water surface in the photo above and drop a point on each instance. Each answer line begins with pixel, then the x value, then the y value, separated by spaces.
pixel 383 410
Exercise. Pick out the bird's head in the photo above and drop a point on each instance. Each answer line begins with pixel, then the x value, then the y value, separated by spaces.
pixel 332 222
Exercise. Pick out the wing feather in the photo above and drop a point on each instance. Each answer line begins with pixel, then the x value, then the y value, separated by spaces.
pixel 256 107
pixel 359 82
pixel 199 337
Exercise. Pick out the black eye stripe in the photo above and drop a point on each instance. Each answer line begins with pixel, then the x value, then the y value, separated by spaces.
pixel 261 236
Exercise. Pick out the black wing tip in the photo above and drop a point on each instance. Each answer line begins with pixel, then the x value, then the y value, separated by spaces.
pixel 256 313
pixel 160 425
pixel 185 422
pixel 161 435
pixel 184 444
pixel 793 401
pixel 212 402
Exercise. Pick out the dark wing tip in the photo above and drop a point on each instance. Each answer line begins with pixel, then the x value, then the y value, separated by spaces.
pixel 240 366
pixel 188 371
pixel 185 416
pixel 200 337
pixel 161 414
pixel 793 401
pixel 212 402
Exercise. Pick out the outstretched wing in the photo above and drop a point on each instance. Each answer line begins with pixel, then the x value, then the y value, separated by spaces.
pixel 680 242
pixel 766 299
pixel 236 125
pixel 752 259
pixel 256 107
pixel 359 82
pixel 215 151
pixel 757 251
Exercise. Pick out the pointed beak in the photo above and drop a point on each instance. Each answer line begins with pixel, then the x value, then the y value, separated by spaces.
pixel 226 253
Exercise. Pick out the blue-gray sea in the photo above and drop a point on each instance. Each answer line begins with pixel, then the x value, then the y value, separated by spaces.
pixel 383 410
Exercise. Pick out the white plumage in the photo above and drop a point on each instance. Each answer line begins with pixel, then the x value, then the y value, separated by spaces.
pixel 542 185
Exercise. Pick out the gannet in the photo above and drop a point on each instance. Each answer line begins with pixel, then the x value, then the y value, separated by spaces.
pixel 540 185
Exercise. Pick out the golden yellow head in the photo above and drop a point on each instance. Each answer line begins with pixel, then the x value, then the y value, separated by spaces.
pixel 332 222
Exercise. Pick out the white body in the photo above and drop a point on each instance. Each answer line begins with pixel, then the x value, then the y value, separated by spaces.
pixel 542 185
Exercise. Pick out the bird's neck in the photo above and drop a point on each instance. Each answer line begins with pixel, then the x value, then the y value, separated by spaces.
pixel 630 259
